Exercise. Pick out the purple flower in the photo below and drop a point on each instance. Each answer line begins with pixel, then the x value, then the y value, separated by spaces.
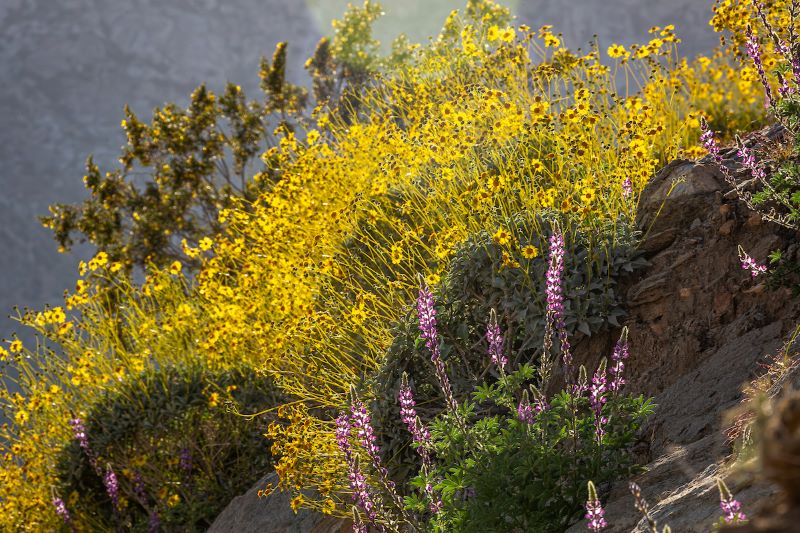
pixel 730 506
pixel 154 523
pixel 748 263
pixel 409 416
pixel 358 482
pixel 426 313
pixel 750 163
pixel 139 488
pixel 495 339
pixel 594 511
pixel 627 187
pixel 754 49
pixel 343 436
pixel 555 301
pixel 618 362
pixel 362 424
pixel 527 412
pixel 61 510
pixel 597 399
pixel 112 486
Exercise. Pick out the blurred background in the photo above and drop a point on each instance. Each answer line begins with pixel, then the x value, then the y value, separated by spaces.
pixel 69 67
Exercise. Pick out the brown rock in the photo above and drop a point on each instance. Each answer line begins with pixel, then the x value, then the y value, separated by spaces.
pixel 726 228
pixel 250 514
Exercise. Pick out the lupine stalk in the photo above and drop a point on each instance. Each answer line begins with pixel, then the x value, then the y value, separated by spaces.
pixel 185 463
pixel 358 482
pixel 597 399
pixel 730 506
pixel 426 313
pixel 361 422
pixel 748 263
pixel 555 306
pixel 750 162
pixel 420 434
pixel 621 352
pixel 79 432
pixel 63 512
pixel 408 414
pixel 154 523
pixel 627 187
pixel 524 409
pixel 641 505
pixel 594 510
pixel 754 50
pixel 112 486
pixel 495 339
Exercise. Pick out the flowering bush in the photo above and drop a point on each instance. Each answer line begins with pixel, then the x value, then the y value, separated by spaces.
pixel 175 452
pixel 511 457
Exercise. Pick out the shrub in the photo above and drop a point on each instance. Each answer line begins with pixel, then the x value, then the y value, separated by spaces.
pixel 178 454
pixel 484 276
pixel 510 459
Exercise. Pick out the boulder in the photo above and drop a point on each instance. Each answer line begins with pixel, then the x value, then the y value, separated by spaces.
pixel 250 513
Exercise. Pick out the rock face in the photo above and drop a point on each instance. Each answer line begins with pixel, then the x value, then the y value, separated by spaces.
pixel 700 327
pixel 250 514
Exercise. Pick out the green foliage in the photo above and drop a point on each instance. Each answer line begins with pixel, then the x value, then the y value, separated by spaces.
pixel 503 474
pixel 141 430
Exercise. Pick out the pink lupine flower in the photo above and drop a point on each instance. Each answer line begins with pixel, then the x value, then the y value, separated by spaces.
pixel 627 187
pixel 426 313
pixel 112 486
pixel 526 412
pixel 750 163
pixel 555 299
pixel 597 399
pixel 495 339
pixel 62 511
pixel 618 362
pixel 594 511
pixel 754 50
pixel 748 263
pixel 730 506
pixel 358 482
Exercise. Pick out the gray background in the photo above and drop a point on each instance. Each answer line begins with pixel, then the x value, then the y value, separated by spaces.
pixel 69 67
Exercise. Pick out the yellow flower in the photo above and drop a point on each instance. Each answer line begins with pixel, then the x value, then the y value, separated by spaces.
pixel 502 237
pixel 529 252
pixel 175 268
pixel 3 354
pixel 616 50
pixel 588 195
pixel 116 266
pixel 432 279
pixel 328 507
pixel 397 254
pixel 205 243
pixel 21 417
pixel 493 34
pixel 507 35
pixel 213 399
pixel 551 40
pixel 173 500
pixel 16 346
pixel 296 502
pixel 312 136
